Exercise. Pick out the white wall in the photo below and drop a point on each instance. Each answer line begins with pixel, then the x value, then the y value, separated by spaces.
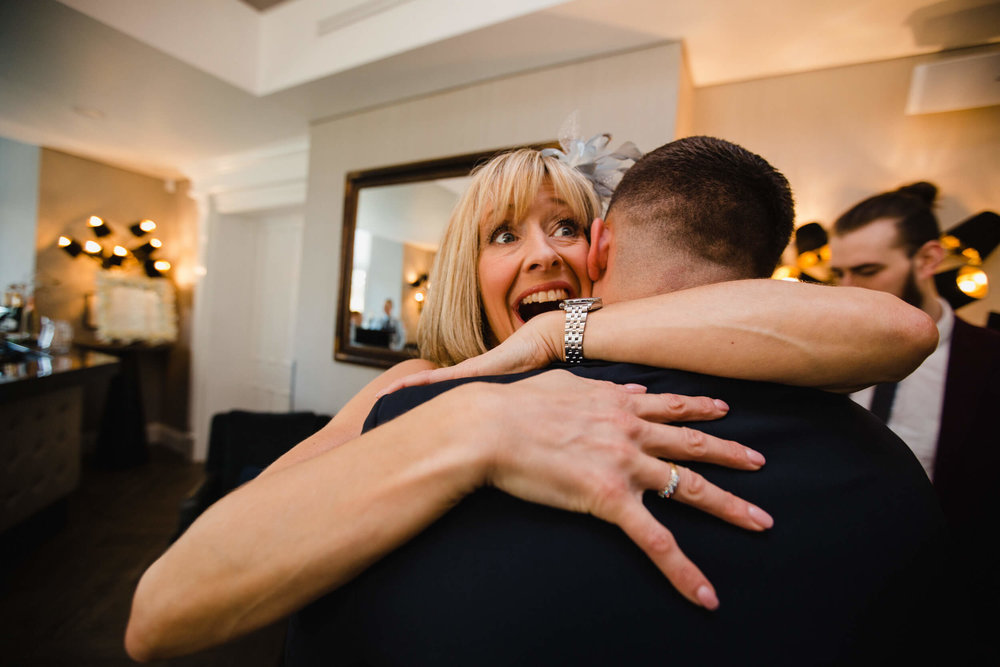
pixel 19 167
pixel 841 135
pixel 632 95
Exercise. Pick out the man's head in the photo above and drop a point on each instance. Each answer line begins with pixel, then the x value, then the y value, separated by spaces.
pixel 889 242
pixel 387 306
pixel 694 211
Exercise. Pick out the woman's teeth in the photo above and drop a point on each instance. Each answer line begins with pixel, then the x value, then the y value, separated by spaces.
pixel 543 296
pixel 540 302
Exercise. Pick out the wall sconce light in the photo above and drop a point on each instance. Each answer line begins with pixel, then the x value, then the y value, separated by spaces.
pixel 143 252
pixel 99 227
pixel 420 285
pixel 961 286
pixel 812 255
pixel 973 281
pixel 786 272
pixel 156 268
pixel 70 246
pixel 142 227
pixel 980 233
pixel 813 249
pixel 967 244
pixel 119 256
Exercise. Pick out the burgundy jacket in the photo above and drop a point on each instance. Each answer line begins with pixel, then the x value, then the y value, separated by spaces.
pixel 967 465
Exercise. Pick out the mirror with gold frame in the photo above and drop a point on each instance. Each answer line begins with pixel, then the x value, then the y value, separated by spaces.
pixel 394 218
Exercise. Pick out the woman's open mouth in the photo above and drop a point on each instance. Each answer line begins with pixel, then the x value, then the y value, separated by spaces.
pixel 540 302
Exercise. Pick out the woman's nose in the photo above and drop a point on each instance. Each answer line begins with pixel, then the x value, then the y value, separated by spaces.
pixel 541 253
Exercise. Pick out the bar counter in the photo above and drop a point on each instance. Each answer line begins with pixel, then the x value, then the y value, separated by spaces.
pixel 41 417
pixel 35 372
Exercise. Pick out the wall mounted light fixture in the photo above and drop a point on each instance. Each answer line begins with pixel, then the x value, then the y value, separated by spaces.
pixel 118 255
pixel 967 244
pixel 142 227
pixel 98 226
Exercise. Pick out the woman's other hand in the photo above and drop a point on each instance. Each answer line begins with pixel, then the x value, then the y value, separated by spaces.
pixel 595 447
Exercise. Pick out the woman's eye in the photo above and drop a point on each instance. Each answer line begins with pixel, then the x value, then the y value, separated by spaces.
pixel 567 228
pixel 503 237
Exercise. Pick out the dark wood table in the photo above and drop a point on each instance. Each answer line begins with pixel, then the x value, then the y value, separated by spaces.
pixel 121 438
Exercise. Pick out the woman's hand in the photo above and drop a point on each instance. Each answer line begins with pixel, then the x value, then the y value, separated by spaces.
pixel 595 447
pixel 534 345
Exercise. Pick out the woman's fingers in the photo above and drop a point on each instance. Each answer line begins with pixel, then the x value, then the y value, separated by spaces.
pixel 417 379
pixel 681 408
pixel 658 543
pixel 687 444
pixel 693 489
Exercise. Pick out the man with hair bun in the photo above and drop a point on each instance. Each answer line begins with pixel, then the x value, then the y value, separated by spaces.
pixel 945 410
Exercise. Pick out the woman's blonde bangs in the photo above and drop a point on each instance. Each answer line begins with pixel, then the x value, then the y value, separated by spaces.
pixel 511 182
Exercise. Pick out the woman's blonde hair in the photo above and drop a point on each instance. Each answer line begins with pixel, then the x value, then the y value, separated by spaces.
pixel 452 326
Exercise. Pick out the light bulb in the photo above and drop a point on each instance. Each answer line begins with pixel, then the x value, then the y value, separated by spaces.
pixel 785 272
pixel 972 281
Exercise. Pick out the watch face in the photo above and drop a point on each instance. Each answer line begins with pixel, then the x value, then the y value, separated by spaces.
pixel 591 303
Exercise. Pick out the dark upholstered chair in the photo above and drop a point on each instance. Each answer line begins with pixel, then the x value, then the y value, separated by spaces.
pixel 240 445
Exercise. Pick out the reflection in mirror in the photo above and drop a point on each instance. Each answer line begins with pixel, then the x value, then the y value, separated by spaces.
pixel 394 218
pixel 397 230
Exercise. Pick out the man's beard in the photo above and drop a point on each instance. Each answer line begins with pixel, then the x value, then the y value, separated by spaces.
pixel 911 293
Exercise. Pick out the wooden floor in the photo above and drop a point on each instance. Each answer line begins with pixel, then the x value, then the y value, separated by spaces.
pixel 66 578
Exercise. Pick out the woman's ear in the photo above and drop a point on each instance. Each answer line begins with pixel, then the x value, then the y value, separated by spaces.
pixel 928 258
pixel 597 256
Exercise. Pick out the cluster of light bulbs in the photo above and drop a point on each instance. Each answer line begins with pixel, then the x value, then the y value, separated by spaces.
pixel 118 254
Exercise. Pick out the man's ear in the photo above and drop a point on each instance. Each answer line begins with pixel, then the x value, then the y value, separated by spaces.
pixel 597 256
pixel 927 258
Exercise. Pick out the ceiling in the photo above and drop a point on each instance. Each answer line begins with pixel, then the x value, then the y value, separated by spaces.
pixel 164 85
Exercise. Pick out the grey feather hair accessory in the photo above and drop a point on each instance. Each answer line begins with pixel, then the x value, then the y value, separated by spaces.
pixel 591 158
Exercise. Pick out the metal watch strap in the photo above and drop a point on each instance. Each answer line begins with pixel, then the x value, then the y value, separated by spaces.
pixel 576 322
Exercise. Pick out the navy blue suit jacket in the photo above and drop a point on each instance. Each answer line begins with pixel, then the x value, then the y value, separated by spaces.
pixel 852 573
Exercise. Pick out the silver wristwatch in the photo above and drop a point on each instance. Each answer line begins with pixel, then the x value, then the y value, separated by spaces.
pixel 576 321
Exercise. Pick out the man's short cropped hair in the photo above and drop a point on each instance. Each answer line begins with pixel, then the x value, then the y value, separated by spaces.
pixel 710 198
pixel 911 207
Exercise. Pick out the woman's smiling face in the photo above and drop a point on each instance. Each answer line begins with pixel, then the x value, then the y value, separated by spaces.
pixel 528 266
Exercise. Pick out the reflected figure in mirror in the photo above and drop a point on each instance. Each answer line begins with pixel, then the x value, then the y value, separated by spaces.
pixel 390 325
